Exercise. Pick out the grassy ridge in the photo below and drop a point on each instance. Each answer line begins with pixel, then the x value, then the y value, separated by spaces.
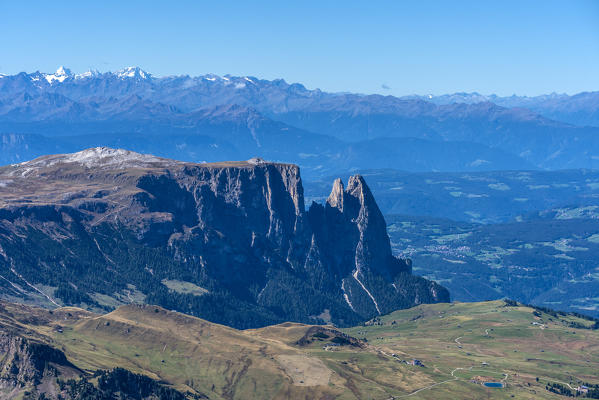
pixel 492 340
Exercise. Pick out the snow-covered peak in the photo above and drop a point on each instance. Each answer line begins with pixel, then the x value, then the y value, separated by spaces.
pixel 133 72
pixel 212 78
pixel 62 71
pixel 91 73
pixel 60 75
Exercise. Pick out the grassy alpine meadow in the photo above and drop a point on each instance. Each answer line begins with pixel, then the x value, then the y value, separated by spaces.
pixel 440 351
pixel 466 344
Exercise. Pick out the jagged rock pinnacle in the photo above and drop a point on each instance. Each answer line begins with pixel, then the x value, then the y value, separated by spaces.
pixel 336 197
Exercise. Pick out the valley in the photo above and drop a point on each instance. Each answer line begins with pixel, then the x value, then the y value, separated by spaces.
pixel 547 262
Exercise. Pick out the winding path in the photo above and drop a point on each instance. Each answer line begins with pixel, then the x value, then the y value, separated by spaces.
pixel 428 387
pixel 455 378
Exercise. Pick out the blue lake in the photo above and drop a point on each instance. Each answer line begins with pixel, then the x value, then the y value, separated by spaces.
pixel 493 384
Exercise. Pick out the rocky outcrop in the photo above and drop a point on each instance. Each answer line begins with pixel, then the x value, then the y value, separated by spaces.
pixel 35 370
pixel 114 222
pixel 351 233
pixel 26 363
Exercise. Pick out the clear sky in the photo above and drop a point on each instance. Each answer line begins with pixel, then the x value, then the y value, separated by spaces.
pixel 394 47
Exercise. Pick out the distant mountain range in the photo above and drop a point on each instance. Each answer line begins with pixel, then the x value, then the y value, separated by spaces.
pixel 211 118
pixel 581 109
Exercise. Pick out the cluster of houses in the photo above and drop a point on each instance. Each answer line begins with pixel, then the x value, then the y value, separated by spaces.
pixel 415 362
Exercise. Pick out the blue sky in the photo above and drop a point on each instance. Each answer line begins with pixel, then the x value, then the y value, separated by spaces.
pixel 391 47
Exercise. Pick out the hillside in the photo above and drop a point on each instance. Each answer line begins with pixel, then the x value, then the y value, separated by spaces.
pixel 465 344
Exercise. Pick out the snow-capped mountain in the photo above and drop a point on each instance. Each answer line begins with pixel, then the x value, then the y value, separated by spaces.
pixel 90 73
pixel 190 93
pixel 60 75
pixel 133 72
pixel 65 75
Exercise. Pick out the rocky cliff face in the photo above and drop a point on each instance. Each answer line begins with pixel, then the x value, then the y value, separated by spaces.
pixel 28 368
pixel 34 370
pixel 231 242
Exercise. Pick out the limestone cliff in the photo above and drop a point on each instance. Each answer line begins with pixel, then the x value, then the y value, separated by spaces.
pixel 231 242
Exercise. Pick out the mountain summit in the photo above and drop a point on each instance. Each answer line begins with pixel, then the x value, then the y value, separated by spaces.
pixel 133 72
pixel 231 241
pixel 60 75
